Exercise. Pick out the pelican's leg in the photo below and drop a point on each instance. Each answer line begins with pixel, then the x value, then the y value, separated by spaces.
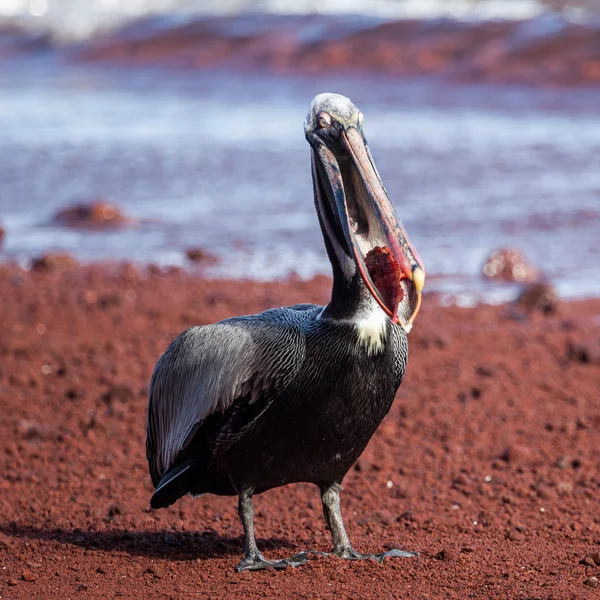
pixel 330 496
pixel 253 560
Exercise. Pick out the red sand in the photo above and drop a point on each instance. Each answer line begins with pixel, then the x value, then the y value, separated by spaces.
pixel 488 463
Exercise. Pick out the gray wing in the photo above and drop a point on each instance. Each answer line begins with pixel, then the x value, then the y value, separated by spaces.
pixel 206 368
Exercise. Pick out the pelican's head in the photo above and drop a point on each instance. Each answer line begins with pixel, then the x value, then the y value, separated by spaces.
pixel 356 213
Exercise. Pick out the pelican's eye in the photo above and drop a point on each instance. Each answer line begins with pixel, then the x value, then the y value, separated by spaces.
pixel 324 120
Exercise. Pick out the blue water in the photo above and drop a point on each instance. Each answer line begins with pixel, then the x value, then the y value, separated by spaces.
pixel 218 160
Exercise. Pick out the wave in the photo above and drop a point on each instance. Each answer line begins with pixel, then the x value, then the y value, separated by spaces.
pixel 70 20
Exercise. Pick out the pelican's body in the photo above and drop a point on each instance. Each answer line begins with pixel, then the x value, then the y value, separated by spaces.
pixel 312 425
pixel 295 394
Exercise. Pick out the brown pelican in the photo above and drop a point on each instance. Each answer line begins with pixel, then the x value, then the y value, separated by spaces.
pixel 294 394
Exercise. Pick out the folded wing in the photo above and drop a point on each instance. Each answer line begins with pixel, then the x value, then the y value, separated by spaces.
pixel 207 368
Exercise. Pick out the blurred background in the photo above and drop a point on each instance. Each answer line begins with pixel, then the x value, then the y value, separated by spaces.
pixel 170 132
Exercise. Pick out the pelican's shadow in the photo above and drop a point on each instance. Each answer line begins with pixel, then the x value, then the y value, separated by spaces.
pixel 174 545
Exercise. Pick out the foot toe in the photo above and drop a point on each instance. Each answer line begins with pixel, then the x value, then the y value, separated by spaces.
pixel 395 553
pixel 258 563
pixel 298 559
pixel 351 554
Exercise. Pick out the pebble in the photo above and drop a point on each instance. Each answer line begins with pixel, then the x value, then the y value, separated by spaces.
pixel 514 535
pixel 118 393
pixel 484 371
pixel 444 554
pixel 506 264
pixel 586 353
pixel 516 454
pixel 406 516
pixel 591 560
pixel 545 493
pixel 154 571
pixel 564 488
pixel 199 255
pixel 28 575
pixel 12 582
pixel 53 262
pixel 98 214
pixel 114 510
pixel 538 297
pixel 74 393
pixel 591 582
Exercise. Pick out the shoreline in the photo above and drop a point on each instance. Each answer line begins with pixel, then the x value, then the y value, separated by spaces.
pixel 316 286
pixel 547 50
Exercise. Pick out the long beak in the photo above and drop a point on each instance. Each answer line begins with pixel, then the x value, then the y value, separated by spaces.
pixel 387 261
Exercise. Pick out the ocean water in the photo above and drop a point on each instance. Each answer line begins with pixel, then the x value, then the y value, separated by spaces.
pixel 218 160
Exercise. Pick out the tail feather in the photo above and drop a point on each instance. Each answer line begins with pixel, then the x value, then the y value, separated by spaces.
pixel 172 486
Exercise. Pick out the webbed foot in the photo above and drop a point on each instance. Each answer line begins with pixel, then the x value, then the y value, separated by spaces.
pixel 351 554
pixel 256 562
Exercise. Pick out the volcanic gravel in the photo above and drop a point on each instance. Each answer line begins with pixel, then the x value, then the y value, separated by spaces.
pixel 487 465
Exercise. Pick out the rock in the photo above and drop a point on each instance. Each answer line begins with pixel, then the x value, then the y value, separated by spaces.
pixel 28 575
pixel 587 352
pixel 75 393
pixel 591 582
pixel 538 297
pixel 484 371
pixel 122 393
pixel 2 233
pixel 109 300
pixel 507 264
pixel 516 454
pixel 53 262
pixel 154 571
pixel 514 535
pixel 199 255
pixel 12 582
pixel 545 492
pixel 564 488
pixel 30 430
pixel 444 554
pixel 405 516
pixel 96 215
pixel 591 560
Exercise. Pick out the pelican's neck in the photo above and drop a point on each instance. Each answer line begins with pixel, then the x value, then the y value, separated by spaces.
pixel 351 302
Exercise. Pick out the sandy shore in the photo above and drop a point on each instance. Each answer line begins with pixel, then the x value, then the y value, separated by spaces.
pixel 488 463
pixel 548 51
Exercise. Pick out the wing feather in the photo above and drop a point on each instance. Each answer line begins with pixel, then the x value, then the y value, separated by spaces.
pixel 207 368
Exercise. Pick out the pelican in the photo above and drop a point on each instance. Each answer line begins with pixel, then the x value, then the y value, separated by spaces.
pixel 294 394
